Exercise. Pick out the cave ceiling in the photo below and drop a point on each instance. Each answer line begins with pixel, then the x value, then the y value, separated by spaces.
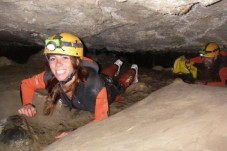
pixel 117 25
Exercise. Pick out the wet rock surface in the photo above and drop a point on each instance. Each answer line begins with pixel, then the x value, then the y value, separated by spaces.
pixel 16 134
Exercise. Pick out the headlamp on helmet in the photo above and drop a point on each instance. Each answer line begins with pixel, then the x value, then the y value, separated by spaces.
pixel 52 44
pixel 202 53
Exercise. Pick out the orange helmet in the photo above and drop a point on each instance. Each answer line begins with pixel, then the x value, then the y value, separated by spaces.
pixel 210 50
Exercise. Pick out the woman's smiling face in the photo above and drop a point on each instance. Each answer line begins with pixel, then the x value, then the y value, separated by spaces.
pixel 61 66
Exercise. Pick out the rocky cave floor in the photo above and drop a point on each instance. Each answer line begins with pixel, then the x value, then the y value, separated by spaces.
pixel 150 79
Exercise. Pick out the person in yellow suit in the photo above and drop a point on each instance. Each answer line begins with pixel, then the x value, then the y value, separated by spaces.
pixel 184 69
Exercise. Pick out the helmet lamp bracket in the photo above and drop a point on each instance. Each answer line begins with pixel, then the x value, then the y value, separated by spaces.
pixel 52 44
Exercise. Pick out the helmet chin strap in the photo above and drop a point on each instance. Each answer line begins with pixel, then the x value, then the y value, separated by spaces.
pixel 69 78
pixel 46 58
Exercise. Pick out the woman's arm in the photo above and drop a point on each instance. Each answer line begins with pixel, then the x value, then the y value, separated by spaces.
pixel 101 107
pixel 28 87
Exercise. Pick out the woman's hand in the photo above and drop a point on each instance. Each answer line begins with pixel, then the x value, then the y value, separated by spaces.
pixel 28 110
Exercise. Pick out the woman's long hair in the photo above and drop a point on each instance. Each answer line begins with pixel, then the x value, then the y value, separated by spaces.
pixel 54 87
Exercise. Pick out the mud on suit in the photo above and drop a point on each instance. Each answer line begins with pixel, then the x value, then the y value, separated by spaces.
pixel 217 75
pixel 94 95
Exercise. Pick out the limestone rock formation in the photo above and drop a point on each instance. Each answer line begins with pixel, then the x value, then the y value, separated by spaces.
pixel 118 25
pixel 16 134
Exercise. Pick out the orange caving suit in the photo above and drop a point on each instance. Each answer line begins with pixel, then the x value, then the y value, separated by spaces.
pixel 90 96
pixel 219 69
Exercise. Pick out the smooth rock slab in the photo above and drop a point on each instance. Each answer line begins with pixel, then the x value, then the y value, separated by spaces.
pixel 178 117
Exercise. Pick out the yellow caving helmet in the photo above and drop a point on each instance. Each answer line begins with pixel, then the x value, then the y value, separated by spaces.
pixel 65 44
pixel 210 50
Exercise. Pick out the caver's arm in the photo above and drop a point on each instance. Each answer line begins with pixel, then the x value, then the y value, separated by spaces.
pixel 196 60
pixel 28 87
pixel 223 77
pixel 101 107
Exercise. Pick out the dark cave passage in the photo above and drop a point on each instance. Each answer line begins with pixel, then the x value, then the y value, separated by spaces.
pixel 151 58
pixel 21 53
